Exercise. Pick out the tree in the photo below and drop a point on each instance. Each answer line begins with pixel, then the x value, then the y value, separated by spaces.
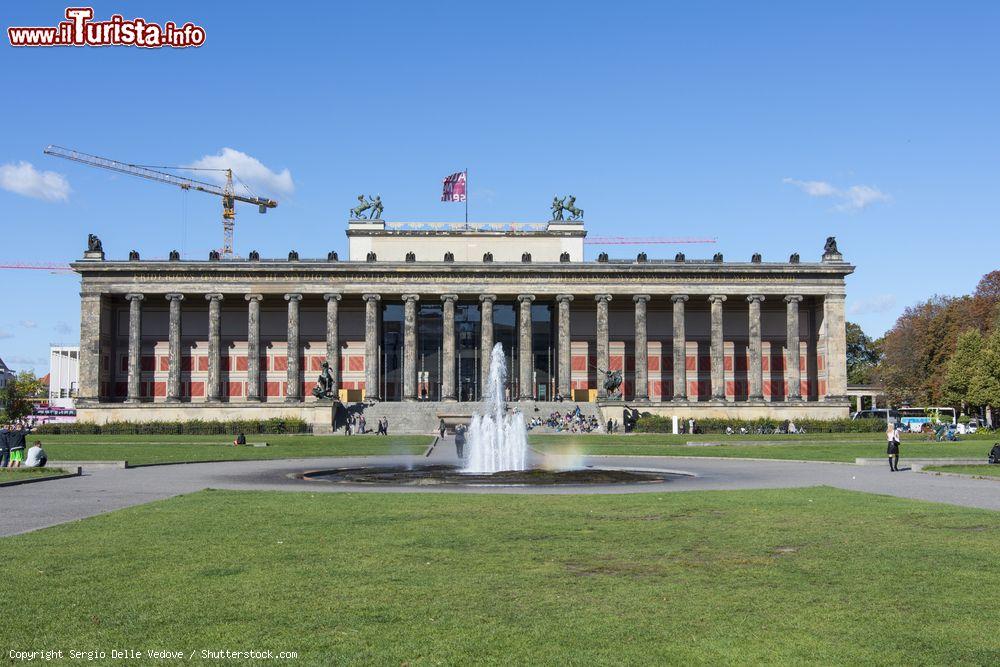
pixel 863 354
pixel 15 398
pixel 962 368
pixel 984 386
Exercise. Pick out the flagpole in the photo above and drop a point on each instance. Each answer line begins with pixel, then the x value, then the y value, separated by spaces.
pixel 466 197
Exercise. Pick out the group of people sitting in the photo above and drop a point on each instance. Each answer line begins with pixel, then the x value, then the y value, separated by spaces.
pixel 14 450
pixel 572 421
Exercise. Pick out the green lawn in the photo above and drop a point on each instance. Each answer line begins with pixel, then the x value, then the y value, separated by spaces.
pixel 15 474
pixel 140 449
pixel 830 447
pixel 984 470
pixel 819 576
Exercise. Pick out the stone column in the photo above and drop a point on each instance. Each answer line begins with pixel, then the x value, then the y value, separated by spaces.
pixel 293 388
pixel 410 346
pixel 371 345
pixel 134 346
pixel 836 347
pixel 525 360
pixel 448 392
pixel 174 349
pixel 213 391
pixel 89 387
pixel 755 373
pixel 564 355
pixel 485 339
pixel 793 373
pixel 333 336
pixel 603 355
pixel 718 349
pixel 680 348
pixel 253 346
pixel 641 348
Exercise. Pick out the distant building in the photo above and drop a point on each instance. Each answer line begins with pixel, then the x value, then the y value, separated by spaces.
pixel 64 375
pixel 6 375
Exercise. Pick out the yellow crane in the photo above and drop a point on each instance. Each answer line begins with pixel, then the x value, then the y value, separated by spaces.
pixel 227 191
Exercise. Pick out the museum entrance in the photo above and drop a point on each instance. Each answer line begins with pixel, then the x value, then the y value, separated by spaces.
pixel 467 332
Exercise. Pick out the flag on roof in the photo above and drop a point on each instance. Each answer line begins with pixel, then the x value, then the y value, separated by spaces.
pixel 454 187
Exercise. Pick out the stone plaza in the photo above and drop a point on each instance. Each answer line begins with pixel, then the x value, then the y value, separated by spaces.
pixel 406 320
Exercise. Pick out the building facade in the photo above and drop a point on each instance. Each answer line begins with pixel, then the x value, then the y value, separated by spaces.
pixel 64 375
pixel 413 311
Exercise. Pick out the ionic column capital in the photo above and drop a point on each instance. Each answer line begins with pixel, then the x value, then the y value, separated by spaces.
pixel 332 296
pixel 755 297
pixel 564 298
pixel 254 297
pixel 679 298
pixel 487 297
pixel 449 297
pixel 214 296
pixel 525 298
pixel 641 298
pixel 134 297
pixel 293 297
pixel 717 298
pixel 793 298
pixel 174 296
pixel 371 297
pixel 605 298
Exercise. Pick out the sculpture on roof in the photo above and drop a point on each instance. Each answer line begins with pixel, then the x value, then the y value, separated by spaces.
pixel 566 205
pixel 94 243
pixel 830 248
pixel 373 204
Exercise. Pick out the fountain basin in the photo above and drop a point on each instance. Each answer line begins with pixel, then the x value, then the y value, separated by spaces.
pixel 443 475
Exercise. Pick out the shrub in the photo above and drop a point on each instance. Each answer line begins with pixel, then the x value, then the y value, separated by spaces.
pixel 271 426
pixel 649 423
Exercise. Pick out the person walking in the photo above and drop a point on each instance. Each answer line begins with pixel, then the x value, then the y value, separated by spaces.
pixel 892 449
pixel 442 428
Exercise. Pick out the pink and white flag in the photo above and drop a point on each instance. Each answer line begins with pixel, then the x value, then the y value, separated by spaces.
pixel 454 187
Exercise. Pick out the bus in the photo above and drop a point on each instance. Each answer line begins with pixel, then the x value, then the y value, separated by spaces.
pixel 914 419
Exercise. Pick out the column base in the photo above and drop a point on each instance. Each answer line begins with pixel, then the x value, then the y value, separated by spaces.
pixel 793 399
pixel 213 399
pixel 679 399
pixel 173 399
pixel 449 399
pixel 293 399
pixel 755 399
pixel 133 401
pixel 252 399
pixel 409 399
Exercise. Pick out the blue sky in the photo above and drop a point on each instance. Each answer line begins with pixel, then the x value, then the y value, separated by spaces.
pixel 767 125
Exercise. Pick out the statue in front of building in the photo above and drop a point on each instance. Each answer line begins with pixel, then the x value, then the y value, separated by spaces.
pixel 830 248
pixel 566 205
pixel 612 382
pixel 94 243
pixel 558 206
pixel 325 384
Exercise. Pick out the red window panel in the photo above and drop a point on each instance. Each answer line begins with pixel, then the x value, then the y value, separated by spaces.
pixel 727 363
pixel 164 363
pixel 202 364
pixel 822 387
pixel 803 361
pixel 316 363
pixel 653 363
pixel 280 363
pixel 241 363
pixel 765 363
pixel 656 388
pixel 148 363
pixel 272 389
pixel 804 388
pixel 820 362
pixel 731 387
pixel 234 389
pixel 615 361
pixel 691 363
pixel 356 363
pixel 159 389
pixel 197 389
pixel 579 362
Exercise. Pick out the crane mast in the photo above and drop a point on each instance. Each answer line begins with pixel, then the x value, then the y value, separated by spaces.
pixel 227 192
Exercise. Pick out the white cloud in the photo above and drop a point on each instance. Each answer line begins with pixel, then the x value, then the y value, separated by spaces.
pixel 852 199
pixel 29 324
pixel 248 169
pixel 5 334
pixel 23 179
pixel 879 303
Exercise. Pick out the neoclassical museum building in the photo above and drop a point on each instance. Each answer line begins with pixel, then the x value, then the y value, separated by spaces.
pixel 407 319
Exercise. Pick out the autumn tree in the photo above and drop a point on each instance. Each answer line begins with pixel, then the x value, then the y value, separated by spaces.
pixel 15 397
pixel 863 354
pixel 962 368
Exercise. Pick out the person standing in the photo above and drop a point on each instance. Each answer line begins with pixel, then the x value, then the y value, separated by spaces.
pixel 17 446
pixel 4 446
pixel 892 449
pixel 441 428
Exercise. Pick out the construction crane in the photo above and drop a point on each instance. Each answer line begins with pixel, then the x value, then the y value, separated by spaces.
pixel 227 191
pixel 625 240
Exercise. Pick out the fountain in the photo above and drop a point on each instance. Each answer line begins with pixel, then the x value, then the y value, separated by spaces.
pixel 497 440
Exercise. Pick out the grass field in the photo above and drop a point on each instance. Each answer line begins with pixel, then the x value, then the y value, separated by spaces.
pixel 15 474
pixel 984 470
pixel 821 447
pixel 818 576
pixel 142 449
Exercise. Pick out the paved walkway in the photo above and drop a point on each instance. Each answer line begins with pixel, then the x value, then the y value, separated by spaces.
pixel 33 506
